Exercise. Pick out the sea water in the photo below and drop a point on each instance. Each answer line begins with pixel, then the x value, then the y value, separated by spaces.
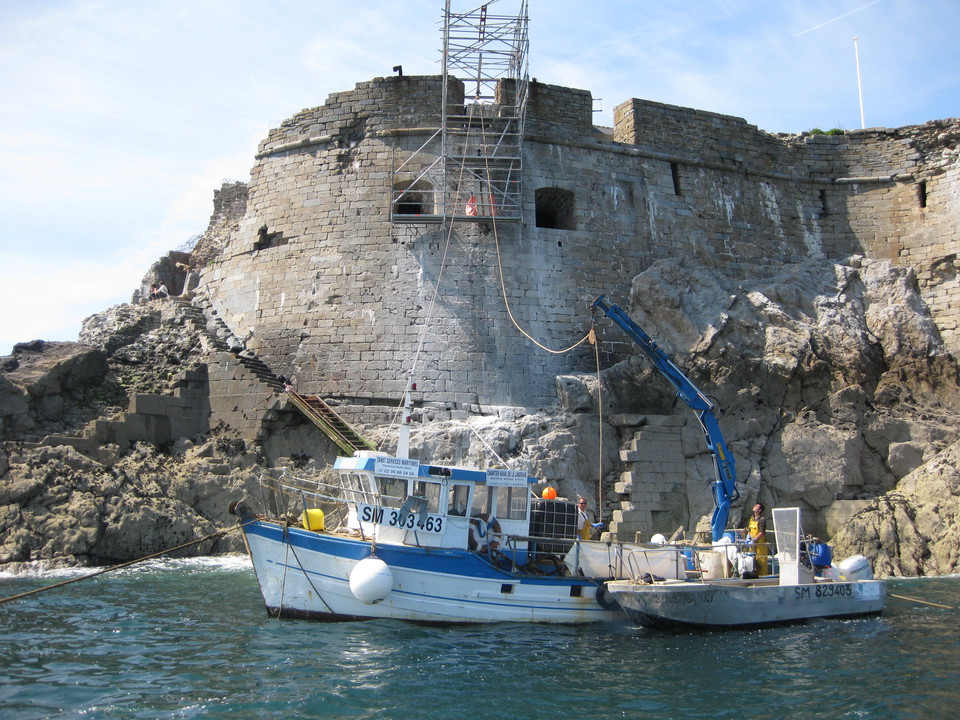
pixel 191 639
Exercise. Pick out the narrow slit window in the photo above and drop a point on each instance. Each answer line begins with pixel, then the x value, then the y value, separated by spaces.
pixel 922 194
pixel 675 174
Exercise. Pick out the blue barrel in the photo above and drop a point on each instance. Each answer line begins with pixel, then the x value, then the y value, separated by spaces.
pixel 820 554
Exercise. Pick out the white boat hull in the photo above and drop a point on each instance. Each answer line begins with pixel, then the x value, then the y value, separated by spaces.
pixel 303 574
pixel 737 603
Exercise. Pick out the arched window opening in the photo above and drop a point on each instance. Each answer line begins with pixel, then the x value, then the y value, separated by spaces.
pixel 412 198
pixel 555 209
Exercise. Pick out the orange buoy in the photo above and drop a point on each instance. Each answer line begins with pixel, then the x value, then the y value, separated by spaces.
pixel 549 493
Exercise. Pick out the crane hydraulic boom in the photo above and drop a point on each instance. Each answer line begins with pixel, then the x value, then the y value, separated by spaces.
pixel 724 487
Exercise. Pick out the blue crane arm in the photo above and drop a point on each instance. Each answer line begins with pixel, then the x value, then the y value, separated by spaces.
pixel 724 486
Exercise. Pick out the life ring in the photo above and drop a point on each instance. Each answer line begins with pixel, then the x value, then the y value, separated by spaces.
pixel 484 533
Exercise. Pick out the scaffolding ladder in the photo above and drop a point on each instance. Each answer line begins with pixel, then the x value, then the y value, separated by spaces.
pixel 471 169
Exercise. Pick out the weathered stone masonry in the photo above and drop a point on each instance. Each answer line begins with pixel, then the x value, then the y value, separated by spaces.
pixel 323 286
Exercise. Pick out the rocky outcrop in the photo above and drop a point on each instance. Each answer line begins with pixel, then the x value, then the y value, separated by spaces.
pixel 832 381
pixel 913 529
pixel 60 506
pixel 48 386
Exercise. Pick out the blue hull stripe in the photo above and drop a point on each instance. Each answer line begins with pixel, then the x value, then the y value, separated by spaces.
pixel 446 561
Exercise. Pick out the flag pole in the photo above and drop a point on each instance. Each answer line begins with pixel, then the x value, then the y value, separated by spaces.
pixel 856 50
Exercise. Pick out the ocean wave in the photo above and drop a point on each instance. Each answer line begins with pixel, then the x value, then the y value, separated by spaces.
pixel 42 569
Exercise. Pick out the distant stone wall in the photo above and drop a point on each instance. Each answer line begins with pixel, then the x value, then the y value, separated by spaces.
pixel 888 193
pixel 326 289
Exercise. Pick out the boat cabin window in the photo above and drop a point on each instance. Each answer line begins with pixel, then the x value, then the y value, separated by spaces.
pixel 431 491
pixel 506 503
pixel 458 497
pixel 392 492
pixel 482 500
pixel 357 487
pixel 512 503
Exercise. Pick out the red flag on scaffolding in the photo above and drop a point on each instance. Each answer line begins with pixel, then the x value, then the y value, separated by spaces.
pixel 472 206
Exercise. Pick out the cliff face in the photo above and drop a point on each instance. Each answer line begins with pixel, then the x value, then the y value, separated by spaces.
pixel 832 379
pixel 912 530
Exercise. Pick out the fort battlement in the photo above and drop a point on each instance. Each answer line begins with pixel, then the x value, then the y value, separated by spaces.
pixel 325 286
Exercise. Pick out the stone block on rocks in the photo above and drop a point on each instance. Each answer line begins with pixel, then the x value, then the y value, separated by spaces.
pixel 904 457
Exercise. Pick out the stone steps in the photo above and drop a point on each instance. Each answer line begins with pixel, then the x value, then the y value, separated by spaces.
pixel 655 471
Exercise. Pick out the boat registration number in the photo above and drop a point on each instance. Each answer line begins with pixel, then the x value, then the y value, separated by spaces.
pixel 826 590
pixel 390 517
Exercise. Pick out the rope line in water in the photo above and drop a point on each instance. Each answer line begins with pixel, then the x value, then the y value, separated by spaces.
pixel 102 571
pixel 923 602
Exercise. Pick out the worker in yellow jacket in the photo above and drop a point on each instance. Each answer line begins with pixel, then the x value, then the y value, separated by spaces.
pixel 757 539
pixel 584 525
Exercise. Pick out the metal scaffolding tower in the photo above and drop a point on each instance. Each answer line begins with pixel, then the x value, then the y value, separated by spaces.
pixel 470 171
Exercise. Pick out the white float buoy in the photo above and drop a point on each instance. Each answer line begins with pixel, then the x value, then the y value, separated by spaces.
pixel 371 580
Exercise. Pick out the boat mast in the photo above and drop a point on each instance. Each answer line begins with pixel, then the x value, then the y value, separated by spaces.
pixel 403 441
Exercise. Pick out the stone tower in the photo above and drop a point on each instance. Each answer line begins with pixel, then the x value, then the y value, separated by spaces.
pixel 324 285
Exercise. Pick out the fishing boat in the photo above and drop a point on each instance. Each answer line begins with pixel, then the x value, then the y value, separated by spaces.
pixel 396 538
pixel 726 598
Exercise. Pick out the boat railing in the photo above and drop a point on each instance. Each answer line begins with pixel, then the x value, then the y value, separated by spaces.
pixel 291 495
pixel 525 554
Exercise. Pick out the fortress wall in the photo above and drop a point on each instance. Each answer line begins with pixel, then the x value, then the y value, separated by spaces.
pixel 913 219
pixel 711 140
pixel 326 289
pixel 374 106
pixel 931 246
pixel 888 193
pixel 554 111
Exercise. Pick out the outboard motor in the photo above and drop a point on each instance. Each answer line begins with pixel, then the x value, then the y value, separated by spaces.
pixel 855 567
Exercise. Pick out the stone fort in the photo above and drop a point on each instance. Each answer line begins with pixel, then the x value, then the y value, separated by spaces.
pixel 327 284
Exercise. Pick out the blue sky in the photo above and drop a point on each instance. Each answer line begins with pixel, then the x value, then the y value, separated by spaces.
pixel 119 118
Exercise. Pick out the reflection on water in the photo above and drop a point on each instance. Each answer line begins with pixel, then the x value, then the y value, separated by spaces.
pixel 190 639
